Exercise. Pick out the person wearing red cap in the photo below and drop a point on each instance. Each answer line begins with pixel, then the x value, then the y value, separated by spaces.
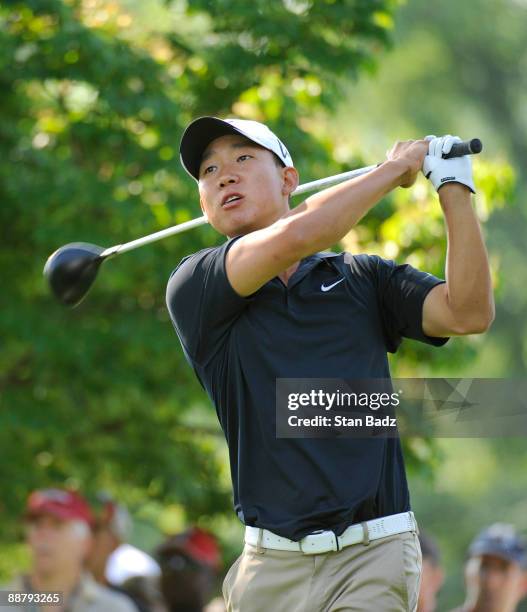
pixel 189 567
pixel 59 524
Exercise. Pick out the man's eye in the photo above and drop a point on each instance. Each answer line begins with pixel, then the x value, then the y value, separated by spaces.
pixel 244 157
pixel 208 169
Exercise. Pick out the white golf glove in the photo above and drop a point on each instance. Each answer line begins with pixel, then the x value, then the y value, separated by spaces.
pixel 441 171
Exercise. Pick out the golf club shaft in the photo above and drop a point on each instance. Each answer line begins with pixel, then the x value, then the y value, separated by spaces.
pixel 467 147
pixel 183 227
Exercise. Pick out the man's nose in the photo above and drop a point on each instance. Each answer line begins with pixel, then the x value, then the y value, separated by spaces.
pixel 228 179
pixel 493 580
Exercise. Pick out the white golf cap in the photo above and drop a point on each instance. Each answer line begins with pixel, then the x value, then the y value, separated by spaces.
pixel 201 132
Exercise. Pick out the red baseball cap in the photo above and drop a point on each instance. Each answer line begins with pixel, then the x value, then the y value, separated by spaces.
pixel 197 543
pixel 202 545
pixel 66 505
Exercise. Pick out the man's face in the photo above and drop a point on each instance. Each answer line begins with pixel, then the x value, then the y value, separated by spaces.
pixel 233 166
pixel 494 584
pixel 57 544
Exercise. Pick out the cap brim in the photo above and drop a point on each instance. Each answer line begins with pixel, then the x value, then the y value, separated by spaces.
pixel 61 513
pixel 196 138
pixel 494 551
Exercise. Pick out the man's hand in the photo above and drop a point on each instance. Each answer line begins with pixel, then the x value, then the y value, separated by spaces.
pixel 410 153
pixel 441 171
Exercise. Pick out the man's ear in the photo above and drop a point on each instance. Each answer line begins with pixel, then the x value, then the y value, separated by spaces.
pixel 290 180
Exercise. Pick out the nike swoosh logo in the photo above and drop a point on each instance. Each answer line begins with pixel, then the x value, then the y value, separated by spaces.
pixel 328 287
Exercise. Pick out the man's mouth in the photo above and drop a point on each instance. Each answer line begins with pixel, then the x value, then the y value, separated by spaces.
pixel 230 198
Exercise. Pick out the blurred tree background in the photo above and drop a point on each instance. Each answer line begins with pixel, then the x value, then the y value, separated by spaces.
pixel 95 95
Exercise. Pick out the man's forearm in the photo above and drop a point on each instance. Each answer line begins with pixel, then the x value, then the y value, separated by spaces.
pixel 469 284
pixel 326 217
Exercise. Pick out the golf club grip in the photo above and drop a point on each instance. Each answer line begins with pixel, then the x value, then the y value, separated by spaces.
pixel 467 147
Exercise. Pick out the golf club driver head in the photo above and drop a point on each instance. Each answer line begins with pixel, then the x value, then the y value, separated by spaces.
pixel 72 269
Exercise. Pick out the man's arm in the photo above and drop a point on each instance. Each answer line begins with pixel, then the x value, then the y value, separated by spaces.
pixel 319 222
pixel 465 304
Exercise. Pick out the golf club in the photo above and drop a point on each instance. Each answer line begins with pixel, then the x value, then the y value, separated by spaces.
pixel 72 269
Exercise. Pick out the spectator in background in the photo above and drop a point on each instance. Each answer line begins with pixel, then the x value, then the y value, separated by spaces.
pixel 145 592
pixel 119 565
pixel 432 576
pixel 59 535
pixel 189 562
pixel 495 572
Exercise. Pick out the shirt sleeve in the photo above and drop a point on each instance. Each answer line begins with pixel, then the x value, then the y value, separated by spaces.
pixel 402 290
pixel 202 303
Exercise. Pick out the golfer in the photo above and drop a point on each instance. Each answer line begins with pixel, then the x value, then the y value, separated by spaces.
pixel 328 521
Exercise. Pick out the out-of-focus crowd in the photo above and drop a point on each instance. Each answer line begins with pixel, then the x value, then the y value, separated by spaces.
pixel 82 551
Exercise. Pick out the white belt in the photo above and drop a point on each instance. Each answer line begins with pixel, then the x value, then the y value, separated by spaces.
pixel 325 541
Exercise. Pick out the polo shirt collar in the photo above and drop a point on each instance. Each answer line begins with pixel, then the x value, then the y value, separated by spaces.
pixel 308 263
pixel 324 255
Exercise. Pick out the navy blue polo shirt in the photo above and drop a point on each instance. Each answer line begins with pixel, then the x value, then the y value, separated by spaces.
pixel 238 347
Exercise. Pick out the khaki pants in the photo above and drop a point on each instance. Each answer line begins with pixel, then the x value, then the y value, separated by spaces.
pixel 382 576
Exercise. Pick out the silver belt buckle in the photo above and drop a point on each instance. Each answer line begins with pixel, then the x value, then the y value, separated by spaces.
pixel 318 543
